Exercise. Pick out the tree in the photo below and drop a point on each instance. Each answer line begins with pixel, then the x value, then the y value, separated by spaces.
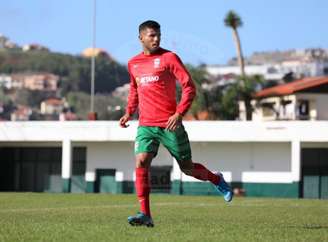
pixel 198 74
pixel 4 99
pixel 233 21
pixel 106 106
pixel 32 98
pixel 246 91
pixel 228 108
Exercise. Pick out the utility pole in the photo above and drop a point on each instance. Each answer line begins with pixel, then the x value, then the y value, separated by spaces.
pixel 92 115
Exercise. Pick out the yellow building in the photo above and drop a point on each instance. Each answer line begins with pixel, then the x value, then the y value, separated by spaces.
pixel 89 52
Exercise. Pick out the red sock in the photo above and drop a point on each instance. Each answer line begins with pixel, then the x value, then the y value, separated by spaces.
pixel 142 185
pixel 202 173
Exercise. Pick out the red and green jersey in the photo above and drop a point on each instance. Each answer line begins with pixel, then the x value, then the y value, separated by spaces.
pixel 153 87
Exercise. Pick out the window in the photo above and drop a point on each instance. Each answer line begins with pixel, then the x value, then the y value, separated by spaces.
pixel 268 109
pixel 303 109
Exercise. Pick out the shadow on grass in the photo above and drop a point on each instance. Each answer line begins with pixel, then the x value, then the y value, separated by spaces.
pixel 309 226
pixel 315 226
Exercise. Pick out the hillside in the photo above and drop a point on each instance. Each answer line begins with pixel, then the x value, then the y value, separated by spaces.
pixel 74 71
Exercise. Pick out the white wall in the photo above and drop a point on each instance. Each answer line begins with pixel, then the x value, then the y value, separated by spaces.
pixel 236 158
pixel 204 131
pixel 119 156
pixel 322 101
pixel 245 151
pixel 233 159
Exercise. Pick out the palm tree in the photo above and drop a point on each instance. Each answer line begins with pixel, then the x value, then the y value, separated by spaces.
pixel 233 21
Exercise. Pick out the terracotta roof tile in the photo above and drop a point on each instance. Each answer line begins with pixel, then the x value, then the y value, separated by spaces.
pixel 292 87
pixel 54 101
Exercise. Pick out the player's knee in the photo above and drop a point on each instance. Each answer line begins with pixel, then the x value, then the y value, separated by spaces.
pixel 143 160
pixel 186 169
pixel 188 172
pixel 141 163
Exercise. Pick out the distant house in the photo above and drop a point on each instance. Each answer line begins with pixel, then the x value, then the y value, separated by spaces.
pixel 304 99
pixel 5 81
pixel 67 115
pixel 52 106
pixel 35 81
pixel 29 47
pixel 5 43
pixel 276 65
pixel 89 52
pixel 22 113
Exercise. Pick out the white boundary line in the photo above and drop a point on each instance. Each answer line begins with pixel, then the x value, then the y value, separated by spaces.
pixel 178 204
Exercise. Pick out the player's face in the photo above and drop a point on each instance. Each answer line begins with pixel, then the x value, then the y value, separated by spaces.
pixel 150 39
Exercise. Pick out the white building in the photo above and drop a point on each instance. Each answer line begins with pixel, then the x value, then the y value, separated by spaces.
pixel 22 113
pixel 275 71
pixel 269 72
pixel 29 47
pixel 35 81
pixel 6 81
pixel 304 99
pixel 52 106
pixel 282 159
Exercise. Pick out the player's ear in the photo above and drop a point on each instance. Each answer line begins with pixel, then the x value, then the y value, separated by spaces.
pixel 140 38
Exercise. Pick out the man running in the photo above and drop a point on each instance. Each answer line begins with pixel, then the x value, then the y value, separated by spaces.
pixel 153 75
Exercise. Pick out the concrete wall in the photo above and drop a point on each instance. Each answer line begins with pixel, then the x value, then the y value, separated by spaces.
pixel 119 156
pixel 322 101
pixel 233 159
pixel 236 160
pixel 198 131
pixel 245 151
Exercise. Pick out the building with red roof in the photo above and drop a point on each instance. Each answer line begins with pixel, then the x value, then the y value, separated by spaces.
pixel 52 106
pixel 304 99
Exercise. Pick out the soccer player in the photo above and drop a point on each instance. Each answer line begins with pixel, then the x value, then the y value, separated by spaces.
pixel 153 75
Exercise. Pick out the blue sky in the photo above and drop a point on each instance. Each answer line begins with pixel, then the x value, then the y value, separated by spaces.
pixel 194 29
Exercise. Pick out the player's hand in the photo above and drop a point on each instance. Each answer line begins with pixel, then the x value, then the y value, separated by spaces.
pixel 123 121
pixel 174 122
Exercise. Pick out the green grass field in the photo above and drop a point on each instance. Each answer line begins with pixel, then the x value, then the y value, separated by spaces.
pixel 98 217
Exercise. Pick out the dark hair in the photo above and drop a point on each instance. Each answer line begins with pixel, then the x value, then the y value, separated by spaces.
pixel 149 24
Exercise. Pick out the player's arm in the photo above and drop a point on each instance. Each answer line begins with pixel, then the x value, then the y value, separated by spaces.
pixel 132 101
pixel 188 90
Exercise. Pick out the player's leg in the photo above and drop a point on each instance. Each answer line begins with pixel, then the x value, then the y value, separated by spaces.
pixel 200 172
pixel 142 185
pixel 146 147
pixel 178 144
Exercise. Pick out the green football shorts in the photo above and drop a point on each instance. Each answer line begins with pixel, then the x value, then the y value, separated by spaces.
pixel 176 142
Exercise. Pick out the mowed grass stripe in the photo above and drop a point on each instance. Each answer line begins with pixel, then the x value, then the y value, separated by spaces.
pixel 101 217
pixel 242 203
